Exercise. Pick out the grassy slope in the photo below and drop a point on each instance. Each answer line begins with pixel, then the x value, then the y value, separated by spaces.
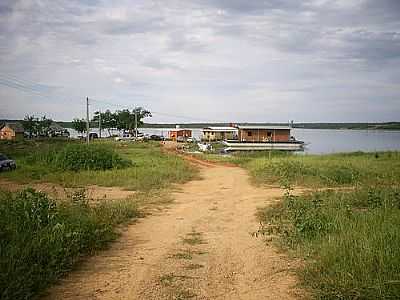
pixel 41 239
pixel 349 240
pixel 151 168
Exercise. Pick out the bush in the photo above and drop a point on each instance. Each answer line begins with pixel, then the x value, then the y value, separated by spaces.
pixel 75 157
pixel 41 239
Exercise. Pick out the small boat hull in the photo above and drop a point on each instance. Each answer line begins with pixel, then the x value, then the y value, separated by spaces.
pixel 284 146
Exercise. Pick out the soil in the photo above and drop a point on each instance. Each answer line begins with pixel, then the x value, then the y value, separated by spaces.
pixel 92 192
pixel 202 247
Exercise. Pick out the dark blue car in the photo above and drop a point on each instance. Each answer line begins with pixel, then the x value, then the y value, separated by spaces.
pixel 6 163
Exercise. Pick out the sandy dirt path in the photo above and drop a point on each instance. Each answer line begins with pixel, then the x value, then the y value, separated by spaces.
pixel 200 248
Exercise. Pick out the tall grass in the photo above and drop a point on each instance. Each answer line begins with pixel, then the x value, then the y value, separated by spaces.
pixel 350 240
pixel 76 157
pixel 41 239
pixel 149 167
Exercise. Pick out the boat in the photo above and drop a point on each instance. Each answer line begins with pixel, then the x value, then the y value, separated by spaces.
pixel 261 138
pixel 235 145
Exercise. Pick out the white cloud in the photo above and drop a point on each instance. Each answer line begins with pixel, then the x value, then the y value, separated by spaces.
pixel 216 60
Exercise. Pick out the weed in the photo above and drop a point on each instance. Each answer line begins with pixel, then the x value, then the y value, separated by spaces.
pixel 194 267
pixel 41 239
pixel 183 255
pixel 193 238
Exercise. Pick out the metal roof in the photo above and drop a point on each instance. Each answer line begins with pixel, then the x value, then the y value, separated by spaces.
pixel 220 129
pixel 270 127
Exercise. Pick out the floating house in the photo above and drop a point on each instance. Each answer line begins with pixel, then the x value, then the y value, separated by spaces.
pixel 180 134
pixel 252 138
pixel 11 131
pixel 212 134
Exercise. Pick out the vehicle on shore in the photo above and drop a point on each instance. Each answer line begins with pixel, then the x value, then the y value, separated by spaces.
pixel 6 163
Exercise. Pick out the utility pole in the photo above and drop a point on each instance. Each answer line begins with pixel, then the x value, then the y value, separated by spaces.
pixel 136 123
pixel 99 123
pixel 87 120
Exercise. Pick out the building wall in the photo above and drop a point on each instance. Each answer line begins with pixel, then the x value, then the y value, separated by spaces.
pixel 264 135
pixel 6 133
pixel 217 136
pixel 174 134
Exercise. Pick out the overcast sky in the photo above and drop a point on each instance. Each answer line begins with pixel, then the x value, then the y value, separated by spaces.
pixel 203 60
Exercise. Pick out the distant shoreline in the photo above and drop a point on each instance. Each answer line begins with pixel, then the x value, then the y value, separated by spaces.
pixel 338 126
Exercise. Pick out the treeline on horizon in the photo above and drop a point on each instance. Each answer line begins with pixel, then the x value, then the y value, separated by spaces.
pixel 338 125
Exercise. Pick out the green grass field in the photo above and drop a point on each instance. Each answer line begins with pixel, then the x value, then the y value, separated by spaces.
pixel 348 239
pixel 149 168
pixel 42 238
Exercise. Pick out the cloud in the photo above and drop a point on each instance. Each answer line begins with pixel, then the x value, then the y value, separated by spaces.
pixel 225 60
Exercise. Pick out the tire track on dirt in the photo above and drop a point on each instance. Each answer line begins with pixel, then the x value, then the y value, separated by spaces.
pixel 200 248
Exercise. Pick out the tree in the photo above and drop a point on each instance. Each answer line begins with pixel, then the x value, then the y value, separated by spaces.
pixel 79 125
pixel 29 124
pixel 126 119
pixel 108 120
pixel 43 126
pixel 35 126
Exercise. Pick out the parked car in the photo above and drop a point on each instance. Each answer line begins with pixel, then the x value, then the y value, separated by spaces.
pixel 126 136
pixel 6 163
pixel 155 137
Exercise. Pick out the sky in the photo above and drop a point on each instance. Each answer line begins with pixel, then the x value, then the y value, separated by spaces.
pixel 202 60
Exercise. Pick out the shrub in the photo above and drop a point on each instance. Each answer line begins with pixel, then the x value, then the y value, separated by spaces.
pixel 75 157
pixel 41 239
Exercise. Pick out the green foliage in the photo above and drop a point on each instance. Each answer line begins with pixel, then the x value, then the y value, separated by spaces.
pixel 35 126
pixel 351 240
pixel 149 167
pixel 41 239
pixel 122 119
pixel 79 125
pixel 328 170
pixel 76 157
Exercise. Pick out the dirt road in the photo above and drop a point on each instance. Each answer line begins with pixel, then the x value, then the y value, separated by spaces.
pixel 199 248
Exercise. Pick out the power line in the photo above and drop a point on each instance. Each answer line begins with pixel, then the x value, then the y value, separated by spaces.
pixel 186 117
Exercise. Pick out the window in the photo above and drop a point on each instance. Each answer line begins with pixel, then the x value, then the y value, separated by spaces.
pixel 249 133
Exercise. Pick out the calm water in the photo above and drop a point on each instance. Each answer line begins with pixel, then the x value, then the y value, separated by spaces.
pixel 321 141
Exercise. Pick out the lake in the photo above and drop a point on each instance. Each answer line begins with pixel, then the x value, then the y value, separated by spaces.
pixel 318 141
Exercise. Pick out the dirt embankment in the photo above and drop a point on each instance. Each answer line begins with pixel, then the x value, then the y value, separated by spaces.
pixel 202 247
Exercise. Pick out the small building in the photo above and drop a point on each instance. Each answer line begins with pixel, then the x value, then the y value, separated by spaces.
pixel 262 134
pixel 11 131
pixel 180 134
pixel 212 134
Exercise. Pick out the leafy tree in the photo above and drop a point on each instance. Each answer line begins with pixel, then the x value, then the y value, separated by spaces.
pixel 43 126
pixel 108 120
pixel 29 124
pixel 79 125
pixel 126 119
pixel 35 126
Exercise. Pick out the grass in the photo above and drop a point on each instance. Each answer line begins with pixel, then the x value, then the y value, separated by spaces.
pixel 193 238
pixel 348 239
pixel 41 239
pixel 317 170
pixel 147 167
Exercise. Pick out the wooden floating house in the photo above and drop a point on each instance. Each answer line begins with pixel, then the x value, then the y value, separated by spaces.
pixel 12 131
pixel 212 134
pixel 251 138
pixel 180 134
